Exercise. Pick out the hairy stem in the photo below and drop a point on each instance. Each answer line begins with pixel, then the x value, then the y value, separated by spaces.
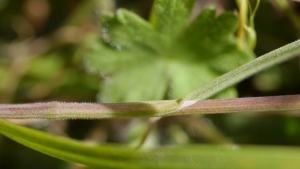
pixel 61 111
pixel 261 63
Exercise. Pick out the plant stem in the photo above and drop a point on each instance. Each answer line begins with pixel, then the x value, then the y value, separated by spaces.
pixel 152 122
pixel 202 128
pixel 62 111
pixel 261 63
pixel 242 21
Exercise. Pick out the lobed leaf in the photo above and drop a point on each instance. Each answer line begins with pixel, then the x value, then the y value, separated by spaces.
pixel 166 58
pixel 170 17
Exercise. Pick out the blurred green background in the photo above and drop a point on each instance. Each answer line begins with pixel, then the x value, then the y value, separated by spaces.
pixel 40 60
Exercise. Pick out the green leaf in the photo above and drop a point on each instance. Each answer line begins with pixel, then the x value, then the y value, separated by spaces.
pixel 63 148
pixel 177 157
pixel 43 67
pixel 169 17
pixel 127 31
pixel 143 75
pixel 166 58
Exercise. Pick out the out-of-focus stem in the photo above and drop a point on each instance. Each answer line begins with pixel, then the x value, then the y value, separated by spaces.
pixel 290 14
pixel 202 128
pixel 151 125
pixel 61 111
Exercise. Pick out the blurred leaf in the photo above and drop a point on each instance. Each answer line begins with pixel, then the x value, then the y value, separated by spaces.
pixel 192 156
pixel 269 80
pixel 3 74
pixel 43 67
pixel 166 59
pixel 81 13
pixel 3 4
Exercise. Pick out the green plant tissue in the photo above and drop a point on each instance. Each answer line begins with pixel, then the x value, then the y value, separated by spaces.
pixel 164 58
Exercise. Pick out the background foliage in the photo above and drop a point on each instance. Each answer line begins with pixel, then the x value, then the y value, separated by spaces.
pixel 40 46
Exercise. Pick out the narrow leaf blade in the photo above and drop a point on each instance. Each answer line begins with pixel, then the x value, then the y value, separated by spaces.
pixel 192 156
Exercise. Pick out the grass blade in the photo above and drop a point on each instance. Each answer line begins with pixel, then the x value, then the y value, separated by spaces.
pixel 177 157
pixel 233 77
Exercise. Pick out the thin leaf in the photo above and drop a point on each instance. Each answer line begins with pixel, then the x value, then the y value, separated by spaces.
pixel 263 62
pixel 177 157
pixel 63 148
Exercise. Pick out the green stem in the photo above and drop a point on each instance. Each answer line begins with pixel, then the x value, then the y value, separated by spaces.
pixel 233 77
pixel 242 21
pixel 252 38
pixel 152 17
pixel 62 111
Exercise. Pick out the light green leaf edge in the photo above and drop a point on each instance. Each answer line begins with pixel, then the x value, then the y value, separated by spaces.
pixel 192 156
